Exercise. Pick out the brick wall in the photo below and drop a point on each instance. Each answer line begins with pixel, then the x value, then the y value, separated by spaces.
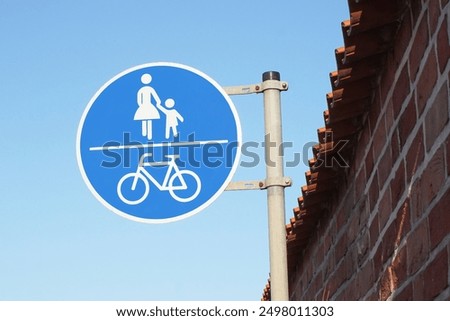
pixel 387 235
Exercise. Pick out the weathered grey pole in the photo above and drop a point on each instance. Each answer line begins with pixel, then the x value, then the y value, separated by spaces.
pixel 271 87
pixel 275 181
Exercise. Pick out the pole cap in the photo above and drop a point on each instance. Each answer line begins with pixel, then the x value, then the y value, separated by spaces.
pixel 271 75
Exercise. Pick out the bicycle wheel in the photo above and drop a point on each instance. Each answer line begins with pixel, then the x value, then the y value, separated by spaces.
pixel 125 186
pixel 186 189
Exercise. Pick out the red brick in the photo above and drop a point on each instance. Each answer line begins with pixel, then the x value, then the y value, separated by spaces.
pixel 447 153
pixel 379 139
pixel 315 237
pixel 403 39
pixel 351 263
pixel 434 13
pixel 364 215
pixel 443 45
pixel 318 255
pixel 365 279
pixel 378 261
pixel 301 287
pixel 373 296
pixel 437 116
pixel 433 176
pixel 395 145
pixel 341 296
pixel 341 247
pixel 389 117
pixel 360 183
pixel 369 162
pixel 407 121
pixel 384 209
pixel 374 231
pixel 419 288
pixel 418 247
pixel 401 90
pixel 374 114
pixel 398 184
pixel 436 275
pixel 361 146
pixel 385 285
pixel 406 294
pixel 439 219
pixel 403 221
pixel 341 273
pixel 389 242
pixel 415 155
pixel 325 293
pixel 417 204
pixel 349 293
pixel 427 80
pixel 399 267
pixel 416 8
pixel 387 81
pixel 363 245
pixel 330 263
pixel 331 288
pixel 316 285
pixel 385 167
pixel 308 272
pixel 420 43
pixel 373 192
pixel 341 218
pixel 358 218
pixel 329 237
pixel 354 290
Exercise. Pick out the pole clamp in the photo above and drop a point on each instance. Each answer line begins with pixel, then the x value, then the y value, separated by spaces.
pixel 278 181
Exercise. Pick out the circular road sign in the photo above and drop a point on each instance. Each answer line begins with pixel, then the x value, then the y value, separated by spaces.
pixel 158 142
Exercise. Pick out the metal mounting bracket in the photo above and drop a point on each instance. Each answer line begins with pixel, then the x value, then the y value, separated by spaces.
pixel 259 184
pixel 256 88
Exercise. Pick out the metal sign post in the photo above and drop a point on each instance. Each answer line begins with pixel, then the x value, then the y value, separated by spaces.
pixel 275 181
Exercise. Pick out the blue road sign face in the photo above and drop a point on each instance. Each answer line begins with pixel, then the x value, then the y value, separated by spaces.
pixel 159 142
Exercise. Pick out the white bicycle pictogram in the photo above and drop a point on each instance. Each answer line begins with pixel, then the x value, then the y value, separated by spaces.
pixel 174 181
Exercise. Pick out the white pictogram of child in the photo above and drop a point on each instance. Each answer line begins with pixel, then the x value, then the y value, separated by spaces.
pixel 172 117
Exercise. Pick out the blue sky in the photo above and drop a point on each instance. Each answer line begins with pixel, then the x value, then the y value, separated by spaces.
pixel 57 242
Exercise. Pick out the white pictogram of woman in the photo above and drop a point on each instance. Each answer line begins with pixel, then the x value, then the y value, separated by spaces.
pixel 147 111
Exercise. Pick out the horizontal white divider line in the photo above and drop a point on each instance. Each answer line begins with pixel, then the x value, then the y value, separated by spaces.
pixel 168 144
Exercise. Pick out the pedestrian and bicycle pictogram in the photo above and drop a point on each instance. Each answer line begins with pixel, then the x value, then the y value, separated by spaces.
pixel 158 142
